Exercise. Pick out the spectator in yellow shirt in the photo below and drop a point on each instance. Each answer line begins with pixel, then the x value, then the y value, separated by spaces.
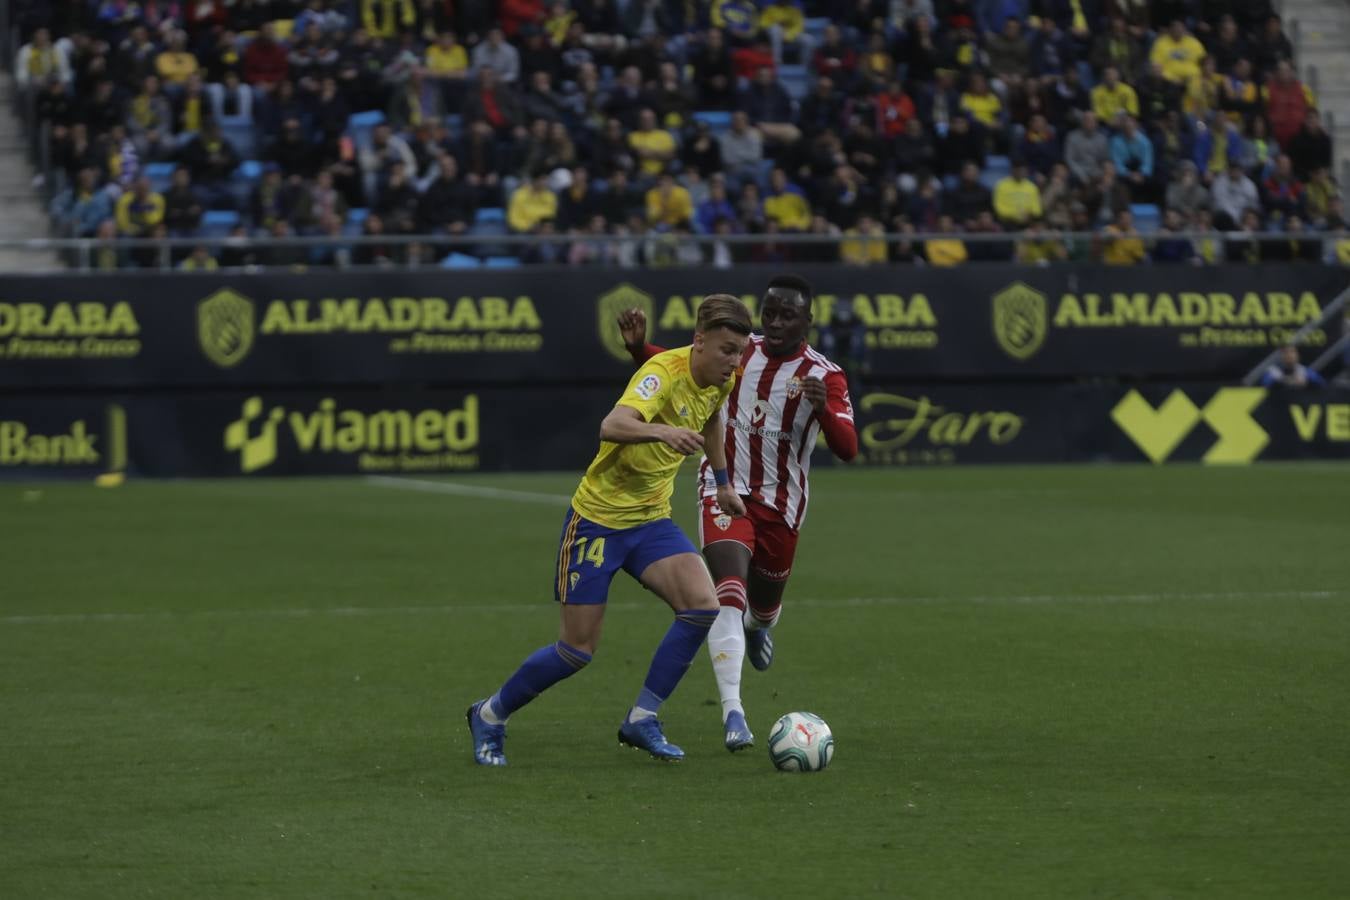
pixel 654 147
pixel 1122 245
pixel 175 65
pixel 786 204
pixel 1017 200
pixel 1113 96
pixel 945 251
pixel 139 210
pixel 532 203
pixel 1178 53
pixel 864 244
pixel 981 102
pixel 1040 247
pixel 669 204
pixel 447 58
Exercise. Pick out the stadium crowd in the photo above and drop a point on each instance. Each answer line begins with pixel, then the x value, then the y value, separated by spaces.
pixel 462 120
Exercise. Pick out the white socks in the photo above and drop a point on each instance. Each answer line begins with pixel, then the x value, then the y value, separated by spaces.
pixel 726 647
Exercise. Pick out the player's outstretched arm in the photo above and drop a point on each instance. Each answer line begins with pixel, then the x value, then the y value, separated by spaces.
pixel 625 425
pixel 633 328
pixel 715 448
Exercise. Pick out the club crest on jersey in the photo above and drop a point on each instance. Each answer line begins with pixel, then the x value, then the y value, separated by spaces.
pixel 684 412
pixel 723 521
pixel 794 388
pixel 648 387
pixel 573 579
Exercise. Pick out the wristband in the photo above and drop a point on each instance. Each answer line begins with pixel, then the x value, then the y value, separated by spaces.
pixel 720 476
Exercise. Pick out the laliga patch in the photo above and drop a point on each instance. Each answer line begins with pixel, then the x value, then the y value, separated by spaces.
pixel 723 521
pixel 648 387
pixel 794 387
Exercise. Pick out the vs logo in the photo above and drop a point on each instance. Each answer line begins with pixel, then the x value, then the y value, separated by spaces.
pixel 1158 432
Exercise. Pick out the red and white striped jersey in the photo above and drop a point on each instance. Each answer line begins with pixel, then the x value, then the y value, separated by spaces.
pixel 772 427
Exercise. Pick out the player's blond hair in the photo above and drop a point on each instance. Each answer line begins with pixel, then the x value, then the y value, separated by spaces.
pixel 723 311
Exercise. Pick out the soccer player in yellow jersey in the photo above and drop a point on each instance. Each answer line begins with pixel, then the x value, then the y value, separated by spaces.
pixel 620 519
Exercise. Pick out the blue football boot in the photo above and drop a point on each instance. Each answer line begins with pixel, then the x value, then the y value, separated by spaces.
pixel 738 733
pixel 645 734
pixel 488 740
pixel 759 647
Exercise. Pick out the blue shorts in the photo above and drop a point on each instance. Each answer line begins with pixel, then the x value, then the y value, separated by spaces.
pixel 590 554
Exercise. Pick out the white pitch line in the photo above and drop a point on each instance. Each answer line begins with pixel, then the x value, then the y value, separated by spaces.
pixel 543 603
pixel 467 490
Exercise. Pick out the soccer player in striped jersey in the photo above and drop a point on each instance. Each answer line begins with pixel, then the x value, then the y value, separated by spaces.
pixel 787 395
pixel 620 519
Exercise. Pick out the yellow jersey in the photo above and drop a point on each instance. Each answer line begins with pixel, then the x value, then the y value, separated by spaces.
pixel 628 485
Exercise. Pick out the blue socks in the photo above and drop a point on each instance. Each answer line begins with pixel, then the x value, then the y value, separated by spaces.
pixel 541 670
pixel 548 665
pixel 673 656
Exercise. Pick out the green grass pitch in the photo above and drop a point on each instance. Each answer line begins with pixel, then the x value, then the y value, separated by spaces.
pixel 1091 682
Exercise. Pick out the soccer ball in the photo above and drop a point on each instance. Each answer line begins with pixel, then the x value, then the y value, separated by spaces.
pixel 801 742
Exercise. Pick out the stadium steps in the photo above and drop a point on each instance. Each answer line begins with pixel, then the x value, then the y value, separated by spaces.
pixel 25 214
pixel 1320 32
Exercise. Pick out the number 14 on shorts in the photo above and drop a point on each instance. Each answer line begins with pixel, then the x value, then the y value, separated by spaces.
pixel 594 553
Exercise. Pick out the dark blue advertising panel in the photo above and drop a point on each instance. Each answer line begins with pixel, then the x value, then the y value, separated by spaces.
pixel 550 327
pixel 410 432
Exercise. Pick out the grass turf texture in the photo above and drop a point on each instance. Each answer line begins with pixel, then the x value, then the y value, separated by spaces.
pixel 1042 682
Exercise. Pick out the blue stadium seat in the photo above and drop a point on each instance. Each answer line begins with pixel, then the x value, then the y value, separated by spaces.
pixel 794 80
pixel 249 170
pixel 501 262
pixel 1147 218
pixel 816 25
pixel 243 137
pixel 766 167
pixel 490 215
pixel 356 220
pixel 460 261
pixel 719 120
pixel 454 122
pixel 218 222
pixel 998 166
pixel 160 175
pixel 361 124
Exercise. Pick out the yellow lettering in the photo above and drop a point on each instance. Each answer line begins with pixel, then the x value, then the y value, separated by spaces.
pixel 277 318
pixel 1220 308
pixel 1308 308
pixel 677 315
pixel 1070 312
pixel 1338 421
pixel 1305 421
pixel 1252 312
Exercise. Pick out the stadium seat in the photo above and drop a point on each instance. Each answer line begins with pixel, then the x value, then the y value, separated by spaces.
pixel 816 26
pixel 454 122
pixel 244 180
pixel 501 262
pixel 361 124
pixel 460 261
pixel 794 80
pixel 356 220
pixel 160 175
pixel 998 166
pixel 719 120
pixel 242 135
pixel 218 222
pixel 490 215
pixel 1146 216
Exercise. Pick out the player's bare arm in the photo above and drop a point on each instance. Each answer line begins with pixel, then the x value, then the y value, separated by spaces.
pixel 714 443
pixel 625 425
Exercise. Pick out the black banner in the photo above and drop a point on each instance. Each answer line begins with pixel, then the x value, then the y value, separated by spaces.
pixel 556 429
pixel 557 327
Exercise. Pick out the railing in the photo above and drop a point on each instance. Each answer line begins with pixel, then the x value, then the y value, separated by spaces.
pixel 1329 312
pixel 468 250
